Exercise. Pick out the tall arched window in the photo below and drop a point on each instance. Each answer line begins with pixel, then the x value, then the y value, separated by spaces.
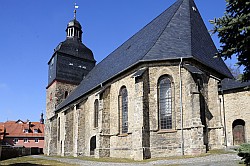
pixel 123 109
pixel 96 108
pixel 165 103
pixel 66 93
pixel 58 129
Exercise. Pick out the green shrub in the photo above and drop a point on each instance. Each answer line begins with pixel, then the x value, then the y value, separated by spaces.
pixel 244 152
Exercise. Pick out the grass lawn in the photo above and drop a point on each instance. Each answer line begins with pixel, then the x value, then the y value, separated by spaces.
pixel 30 161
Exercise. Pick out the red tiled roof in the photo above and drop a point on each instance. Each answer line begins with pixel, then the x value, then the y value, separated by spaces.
pixel 16 129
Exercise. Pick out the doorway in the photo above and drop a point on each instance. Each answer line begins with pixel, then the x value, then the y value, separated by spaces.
pixel 92 145
pixel 238 132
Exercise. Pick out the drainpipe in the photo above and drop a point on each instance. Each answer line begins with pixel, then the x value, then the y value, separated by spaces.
pixel 181 109
pixel 224 118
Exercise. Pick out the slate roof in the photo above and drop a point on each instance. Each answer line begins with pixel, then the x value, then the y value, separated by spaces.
pixel 231 84
pixel 74 47
pixel 74 23
pixel 178 32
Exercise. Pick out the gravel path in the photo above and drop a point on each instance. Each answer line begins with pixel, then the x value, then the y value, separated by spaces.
pixel 211 160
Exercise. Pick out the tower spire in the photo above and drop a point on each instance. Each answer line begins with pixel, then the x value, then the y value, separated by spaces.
pixel 76 7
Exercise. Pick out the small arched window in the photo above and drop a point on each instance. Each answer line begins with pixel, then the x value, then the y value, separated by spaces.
pixel 123 109
pixel 165 103
pixel 66 93
pixel 96 108
pixel 50 97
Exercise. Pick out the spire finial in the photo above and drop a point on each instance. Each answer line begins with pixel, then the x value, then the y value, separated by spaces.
pixel 76 7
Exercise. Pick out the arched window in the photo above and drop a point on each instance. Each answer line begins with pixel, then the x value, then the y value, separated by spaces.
pixel 96 108
pixel 66 93
pixel 123 109
pixel 164 103
pixel 50 97
pixel 58 129
pixel 92 145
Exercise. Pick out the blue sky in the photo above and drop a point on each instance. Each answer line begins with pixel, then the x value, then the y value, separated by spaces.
pixel 30 30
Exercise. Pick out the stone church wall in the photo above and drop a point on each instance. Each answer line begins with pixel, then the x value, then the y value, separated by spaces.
pixel 214 116
pixel 121 144
pixel 68 143
pixel 144 139
pixel 103 135
pixel 237 106
pixel 53 139
pixel 81 132
pixel 55 94
pixel 164 142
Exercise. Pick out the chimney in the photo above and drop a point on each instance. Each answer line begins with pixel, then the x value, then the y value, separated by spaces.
pixel 41 119
pixel 29 125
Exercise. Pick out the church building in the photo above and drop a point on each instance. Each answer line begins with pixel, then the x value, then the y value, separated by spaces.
pixel 161 93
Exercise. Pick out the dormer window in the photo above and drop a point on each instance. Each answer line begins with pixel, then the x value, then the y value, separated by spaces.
pixel 26 130
pixel 35 130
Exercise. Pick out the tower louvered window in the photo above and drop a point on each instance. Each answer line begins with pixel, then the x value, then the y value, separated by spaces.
pixel 123 109
pixel 165 103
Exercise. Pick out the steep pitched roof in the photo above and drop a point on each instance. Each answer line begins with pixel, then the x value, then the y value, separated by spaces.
pixel 76 48
pixel 231 84
pixel 178 32
pixel 16 129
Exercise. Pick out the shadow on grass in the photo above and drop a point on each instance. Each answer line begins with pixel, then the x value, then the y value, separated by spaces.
pixel 25 164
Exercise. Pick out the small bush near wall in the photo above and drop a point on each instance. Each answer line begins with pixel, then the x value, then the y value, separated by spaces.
pixel 244 152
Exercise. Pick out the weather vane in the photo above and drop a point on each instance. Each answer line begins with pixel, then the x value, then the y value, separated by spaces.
pixel 76 7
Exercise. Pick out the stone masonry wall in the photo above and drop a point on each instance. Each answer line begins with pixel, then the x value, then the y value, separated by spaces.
pixel 55 94
pixel 90 129
pixel 53 140
pixel 103 137
pixel 144 139
pixel 237 107
pixel 120 144
pixel 168 142
pixel 215 127
pixel 68 143
pixel 81 131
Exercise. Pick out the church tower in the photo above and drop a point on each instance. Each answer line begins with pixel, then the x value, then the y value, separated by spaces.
pixel 69 64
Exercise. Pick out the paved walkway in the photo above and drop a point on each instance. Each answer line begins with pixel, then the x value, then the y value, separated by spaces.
pixel 211 160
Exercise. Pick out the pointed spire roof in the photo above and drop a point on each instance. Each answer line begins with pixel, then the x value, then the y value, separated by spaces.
pixel 182 33
pixel 178 32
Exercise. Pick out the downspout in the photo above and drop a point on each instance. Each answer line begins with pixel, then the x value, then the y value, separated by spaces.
pixel 224 118
pixel 181 109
